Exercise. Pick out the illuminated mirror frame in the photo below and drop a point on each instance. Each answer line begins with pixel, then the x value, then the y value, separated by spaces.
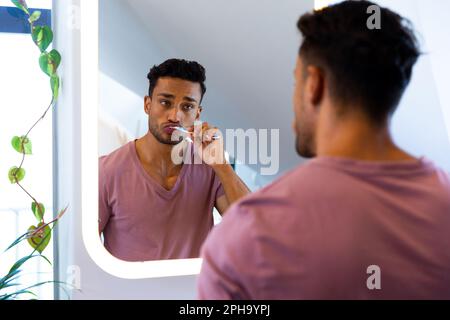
pixel 89 18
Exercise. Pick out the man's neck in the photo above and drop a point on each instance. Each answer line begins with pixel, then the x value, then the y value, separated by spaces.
pixel 155 154
pixel 354 136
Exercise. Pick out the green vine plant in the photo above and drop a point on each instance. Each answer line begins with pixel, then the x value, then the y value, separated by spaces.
pixel 38 236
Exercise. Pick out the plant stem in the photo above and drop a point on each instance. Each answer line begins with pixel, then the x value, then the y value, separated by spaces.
pixel 23 158
pixel 41 118
pixel 29 131
pixel 26 191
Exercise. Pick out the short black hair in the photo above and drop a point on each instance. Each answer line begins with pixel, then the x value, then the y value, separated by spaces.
pixel 178 68
pixel 370 67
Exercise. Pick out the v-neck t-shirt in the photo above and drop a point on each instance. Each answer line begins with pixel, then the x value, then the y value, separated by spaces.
pixel 141 220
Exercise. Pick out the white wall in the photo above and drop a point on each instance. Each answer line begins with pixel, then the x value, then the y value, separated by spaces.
pixel 434 21
pixel 422 122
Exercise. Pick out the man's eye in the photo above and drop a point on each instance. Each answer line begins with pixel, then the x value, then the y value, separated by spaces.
pixel 188 107
pixel 164 102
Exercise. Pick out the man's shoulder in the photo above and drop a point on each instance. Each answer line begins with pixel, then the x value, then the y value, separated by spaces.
pixel 247 222
pixel 115 159
pixel 288 198
pixel 295 182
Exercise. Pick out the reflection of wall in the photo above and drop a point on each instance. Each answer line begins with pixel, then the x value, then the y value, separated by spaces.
pixel 125 50
pixel 111 135
pixel 122 105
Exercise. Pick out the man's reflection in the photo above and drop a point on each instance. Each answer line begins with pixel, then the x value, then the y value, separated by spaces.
pixel 151 208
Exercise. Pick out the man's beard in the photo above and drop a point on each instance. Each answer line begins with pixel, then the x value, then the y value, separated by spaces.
pixel 304 145
pixel 304 130
pixel 156 132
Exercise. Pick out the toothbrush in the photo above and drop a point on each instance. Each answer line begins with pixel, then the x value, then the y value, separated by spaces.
pixel 184 130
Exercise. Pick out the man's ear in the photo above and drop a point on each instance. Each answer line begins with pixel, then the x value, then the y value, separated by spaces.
pixel 200 109
pixel 315 85
pixel 147 104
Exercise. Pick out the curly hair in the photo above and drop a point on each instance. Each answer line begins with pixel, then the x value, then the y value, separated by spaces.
pixel 178 68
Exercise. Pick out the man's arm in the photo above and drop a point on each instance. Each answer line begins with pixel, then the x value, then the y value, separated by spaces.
pixel 212 153
pixel 233 186
pixel 104 210
pixel 228 260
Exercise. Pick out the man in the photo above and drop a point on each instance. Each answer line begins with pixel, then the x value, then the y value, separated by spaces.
pixel 152 207
pixel 364 219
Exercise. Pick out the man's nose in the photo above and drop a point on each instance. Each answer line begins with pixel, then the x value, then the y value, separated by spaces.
pixel 173 115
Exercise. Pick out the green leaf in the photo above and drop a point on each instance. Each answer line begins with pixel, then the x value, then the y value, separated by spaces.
pixel 38 210
pixel 15 268
pixel 54 83
pixel 11 276
pixel 22 145
pixel 42 36
pixel 16 175
pixel 22 5
pixel 41 239
pixel 10 281
pixel 34 16
pixel 14 295
pixel 16 142
pixel 44 63
pixel 49 62
pixel 18 240
pixel 10 284
pixel 26 290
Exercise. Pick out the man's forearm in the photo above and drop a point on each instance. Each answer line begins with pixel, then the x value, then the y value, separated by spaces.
pixel 234 187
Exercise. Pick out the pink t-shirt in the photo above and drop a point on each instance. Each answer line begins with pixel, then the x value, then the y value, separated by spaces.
pixel 141 220
pixel 322 231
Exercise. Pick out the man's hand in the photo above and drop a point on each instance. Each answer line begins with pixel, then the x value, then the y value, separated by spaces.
pixel 209 148
pixel 208 144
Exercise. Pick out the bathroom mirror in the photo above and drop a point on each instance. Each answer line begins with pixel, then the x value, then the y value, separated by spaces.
pixel 248 50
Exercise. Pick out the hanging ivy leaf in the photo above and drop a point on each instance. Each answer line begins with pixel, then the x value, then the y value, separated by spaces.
pixel 38 210
pixel 34 16
pixel 14 174
pixel 55 58
pixel 44 63
pixel 42 36
pixel 22 5
pixel 41 238
pixel 49 62
pixel 18 142
pixel 54 83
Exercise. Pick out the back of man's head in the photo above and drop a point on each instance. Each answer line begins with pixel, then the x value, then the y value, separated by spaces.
pixel 365 67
